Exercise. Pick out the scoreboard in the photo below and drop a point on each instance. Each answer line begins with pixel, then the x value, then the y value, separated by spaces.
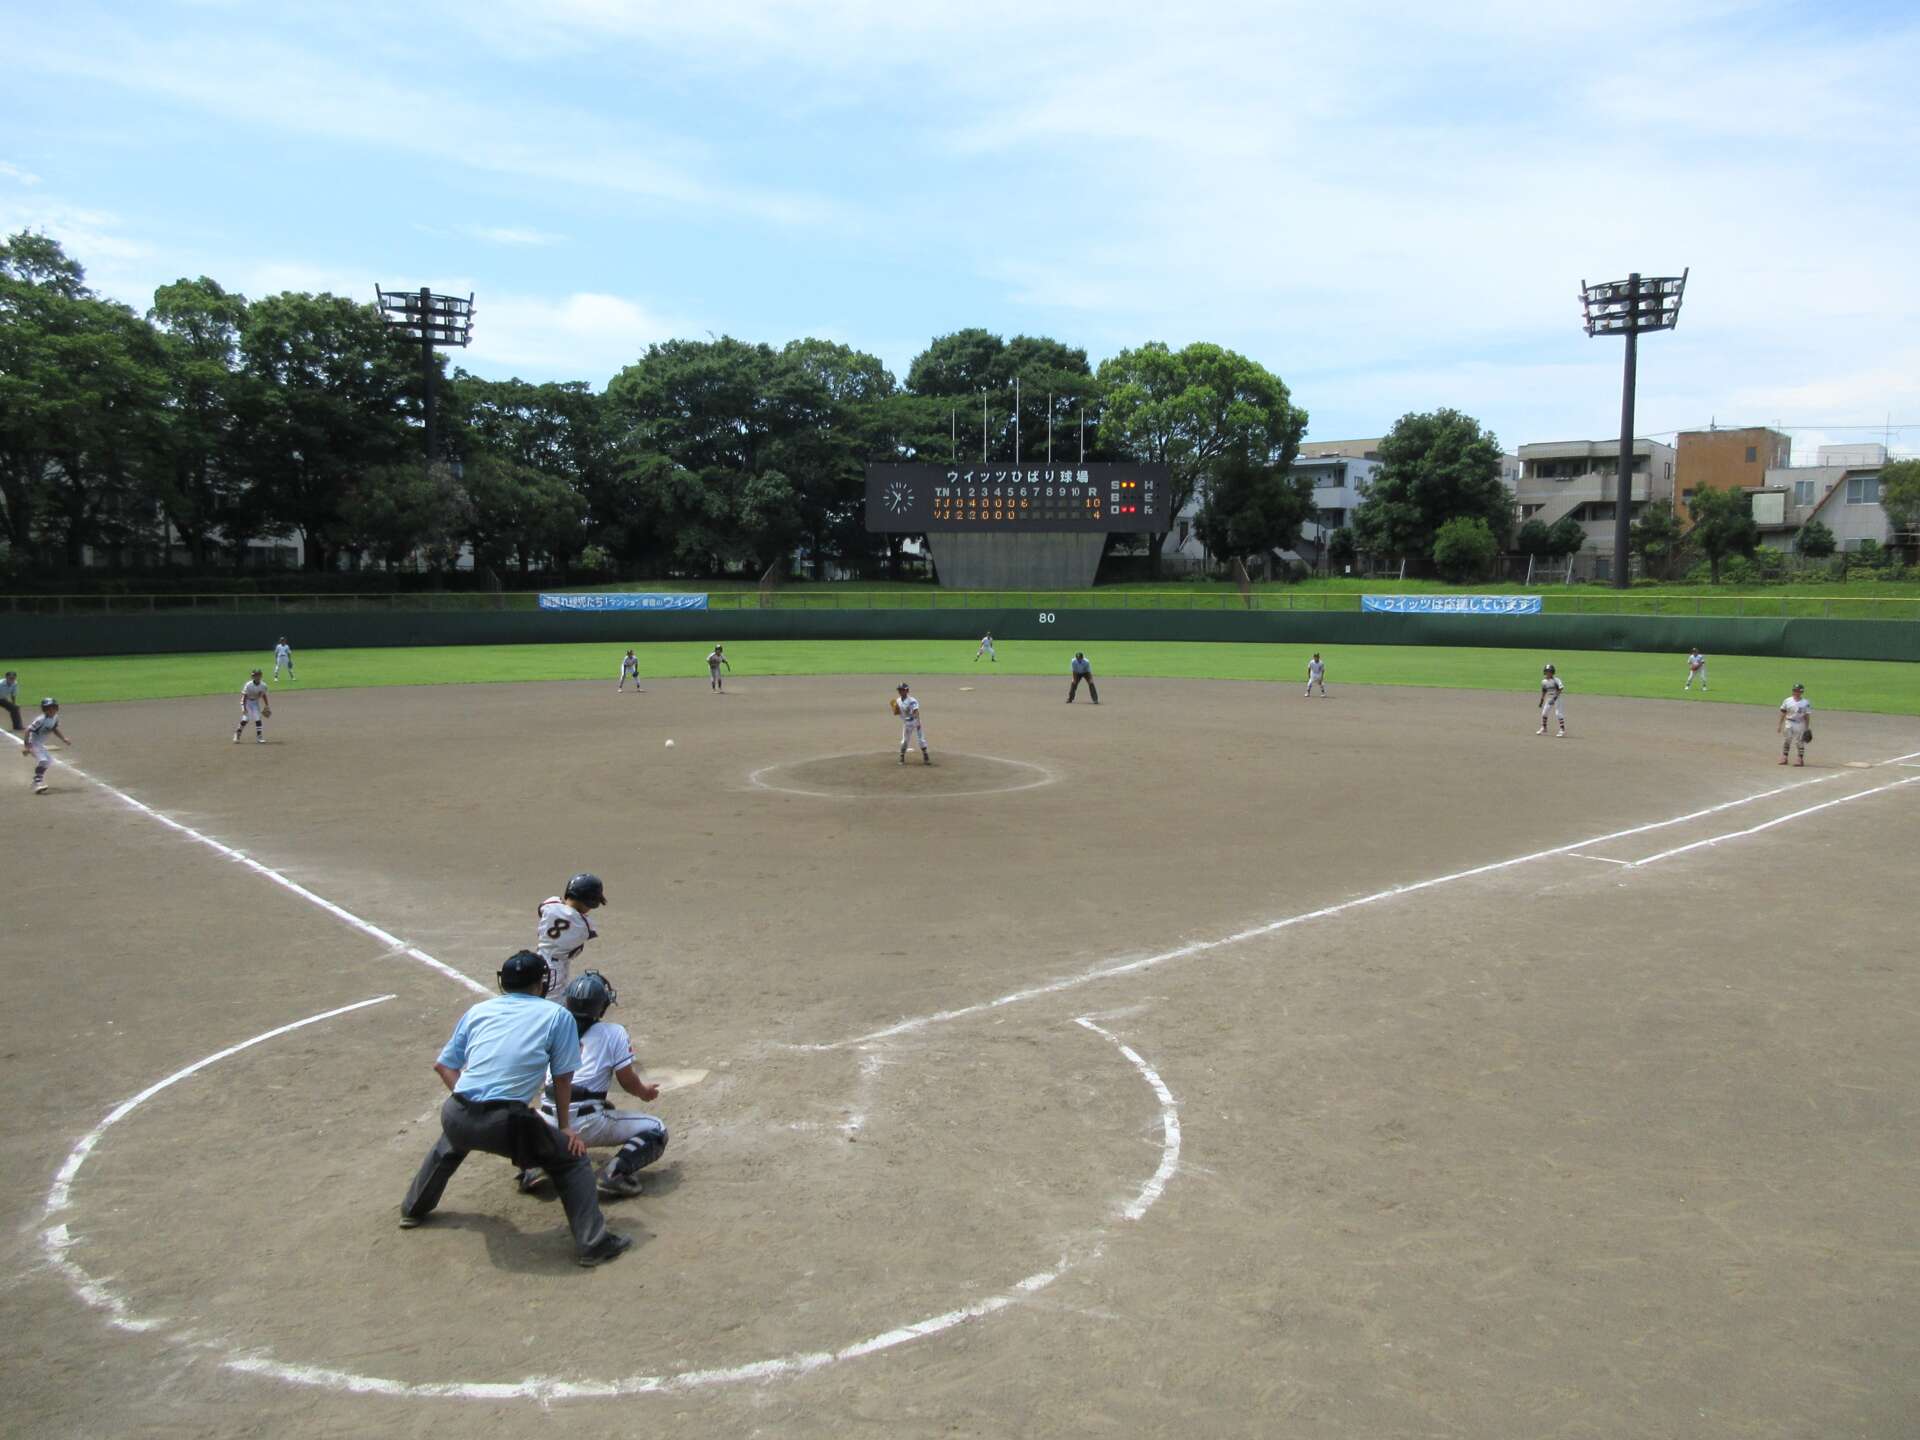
pixel 919 498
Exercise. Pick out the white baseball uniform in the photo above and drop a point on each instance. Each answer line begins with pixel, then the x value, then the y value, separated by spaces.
pixel 1799 713
pixel 1316 675
pixel 39 730
pixel 629 670
pixel 1696 670
pixel 282 655
pixel 563 933
pixel 1551 689
pixel 986 649
pixel 910 728
pixel 253 708
pixel 604 1049
pixel 714 661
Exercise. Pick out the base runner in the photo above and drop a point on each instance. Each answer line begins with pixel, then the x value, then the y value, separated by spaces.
pixel 40 729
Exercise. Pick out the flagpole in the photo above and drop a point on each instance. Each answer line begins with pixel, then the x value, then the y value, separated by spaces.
pixel 1083 432
pixel 1049 430
pixel 1016 419
pixel 953 420
pixel 983 427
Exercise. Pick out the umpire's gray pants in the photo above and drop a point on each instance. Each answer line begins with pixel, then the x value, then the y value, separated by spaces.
pixel 512 1129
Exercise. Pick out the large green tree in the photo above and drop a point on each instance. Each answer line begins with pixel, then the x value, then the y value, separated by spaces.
pixel 523 444
pixel 1722 526
pixel 1900 495
pixel 1656 537
pixel 1253 509
pixel 1193 409
pixel 331 397
pixel 974 373
pixel 199 475
pixel 1434 467
pixel 81 389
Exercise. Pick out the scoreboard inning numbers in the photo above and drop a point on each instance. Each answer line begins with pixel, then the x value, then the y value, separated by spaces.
pixel 917 498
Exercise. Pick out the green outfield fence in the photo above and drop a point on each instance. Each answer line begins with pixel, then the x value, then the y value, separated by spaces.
pixel 1683 606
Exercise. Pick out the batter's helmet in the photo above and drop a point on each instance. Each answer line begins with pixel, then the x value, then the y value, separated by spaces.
pixel 49 703
pixel 587 889
pixel 588 996
pixel 525 970
pixel 1547 671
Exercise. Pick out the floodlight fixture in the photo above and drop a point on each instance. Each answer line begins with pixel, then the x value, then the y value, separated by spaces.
pixel 1630 307
pixel 431 319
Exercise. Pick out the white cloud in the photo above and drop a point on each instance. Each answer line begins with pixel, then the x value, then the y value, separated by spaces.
pixel 512 235
pixel 581 336
pixel 18 175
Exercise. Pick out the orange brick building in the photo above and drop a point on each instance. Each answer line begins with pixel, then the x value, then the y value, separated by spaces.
pixel 1727 459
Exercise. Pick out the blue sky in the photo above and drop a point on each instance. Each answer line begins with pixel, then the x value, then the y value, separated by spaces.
pixel 1388 206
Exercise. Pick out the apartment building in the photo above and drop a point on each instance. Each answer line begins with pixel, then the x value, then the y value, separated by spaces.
pixel 1736 459
pixel 1579 478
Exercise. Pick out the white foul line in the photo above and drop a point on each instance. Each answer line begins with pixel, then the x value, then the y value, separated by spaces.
pixel 1769 824
pixel 1201 947
pixel 1603 859
pixel 393 942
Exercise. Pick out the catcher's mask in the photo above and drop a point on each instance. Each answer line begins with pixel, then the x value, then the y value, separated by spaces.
pixel 526 971
pixel 588 997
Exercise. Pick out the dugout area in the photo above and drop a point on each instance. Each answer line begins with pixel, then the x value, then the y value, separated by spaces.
pixel 1577 1145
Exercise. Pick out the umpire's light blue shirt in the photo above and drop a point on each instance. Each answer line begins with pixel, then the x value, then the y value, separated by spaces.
pixel 504 1047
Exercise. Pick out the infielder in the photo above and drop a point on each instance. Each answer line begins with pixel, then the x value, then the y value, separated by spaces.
pixel 254 706
pixel 1082 669
pixel 629 670
pixel 908 709
pixel 564 928
pixel 282 655
pixel 1696 670
pixel 1316 674
pixel 45 726
pixel 714 662
pixel 986 649
pixel 10 697
pixel 1795 724
pixel 606 1053
pixel 1551 689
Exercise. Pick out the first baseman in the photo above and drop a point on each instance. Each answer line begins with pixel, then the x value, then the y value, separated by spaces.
pixel 1696 670
pixel 606 1053
pixel 254 706
pixel 40 729
pixel 629 670
pixel 1795 724
pixel 908 709
pixel 714 662
pixel 1551 689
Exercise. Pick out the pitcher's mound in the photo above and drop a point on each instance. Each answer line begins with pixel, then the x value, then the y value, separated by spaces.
pixel 879 775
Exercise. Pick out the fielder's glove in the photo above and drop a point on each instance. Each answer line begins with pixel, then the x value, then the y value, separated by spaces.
pixel 1806 736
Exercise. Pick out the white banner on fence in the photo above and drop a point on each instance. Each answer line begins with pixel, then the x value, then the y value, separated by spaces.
pixel 625 600
pixel 1452 604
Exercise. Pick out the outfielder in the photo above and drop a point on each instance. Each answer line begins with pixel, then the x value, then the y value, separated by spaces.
pixel 254 706
pixel 43 726
pixel 282 655
pixel 1551 689
pixel 1795 724
pixel 1696 670
pixel 564 928
pixel 714 662
pixel 1316 674
pixel 606 1053
pixel 629 670
pixel 908 709
pixel 986 649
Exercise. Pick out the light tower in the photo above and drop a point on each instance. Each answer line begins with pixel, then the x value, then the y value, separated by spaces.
pixel 1628 307
pixel 432 320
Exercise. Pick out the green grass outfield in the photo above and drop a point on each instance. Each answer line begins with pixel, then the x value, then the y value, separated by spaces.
pixel 1884 687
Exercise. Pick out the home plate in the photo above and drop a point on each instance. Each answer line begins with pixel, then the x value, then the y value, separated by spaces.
pixel 675 1079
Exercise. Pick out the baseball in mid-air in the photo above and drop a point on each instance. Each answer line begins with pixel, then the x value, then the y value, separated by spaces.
pixel 669 744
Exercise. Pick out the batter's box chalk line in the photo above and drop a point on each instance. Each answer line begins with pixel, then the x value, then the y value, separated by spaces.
pixel 58 1242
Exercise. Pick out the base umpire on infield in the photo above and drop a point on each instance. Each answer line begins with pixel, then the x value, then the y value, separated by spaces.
pixel 499 1053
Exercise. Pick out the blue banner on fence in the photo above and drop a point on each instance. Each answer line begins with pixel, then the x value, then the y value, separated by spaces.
pixel 1452 604
pixel 625 600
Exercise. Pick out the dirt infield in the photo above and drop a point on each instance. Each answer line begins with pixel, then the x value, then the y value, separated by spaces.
pixel 1193 1064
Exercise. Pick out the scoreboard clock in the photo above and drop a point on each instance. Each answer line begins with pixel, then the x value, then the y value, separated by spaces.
pixel 921 498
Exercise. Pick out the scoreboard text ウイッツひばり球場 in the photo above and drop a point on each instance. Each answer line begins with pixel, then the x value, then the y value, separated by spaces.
pixel 992 497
